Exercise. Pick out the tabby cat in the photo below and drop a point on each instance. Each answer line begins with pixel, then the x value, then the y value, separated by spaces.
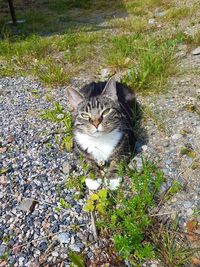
pixel 103 116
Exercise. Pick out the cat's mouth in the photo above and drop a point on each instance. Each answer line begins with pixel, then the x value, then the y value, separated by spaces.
pixel 97 133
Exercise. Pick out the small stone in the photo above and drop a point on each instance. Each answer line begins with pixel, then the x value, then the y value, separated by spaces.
pixel 64 238
pixel 151 21
pixel 189 212
pixel 166 143
pixel 3 263
pixel 196 51
pixel 21 260
pixel 144 148
pixel 54 254
pixel 105 73
pixel 10 138
pixel 91 238
pixel 66 167
pixel 27 205
pixel 176 137
pixel 2 250
pixel 3 149
pixel 16 249
pixel 43 246
pixel 54 228
pixel 75 248
pixel 90 254
pixel 161 14
pixel 198 129
pixel 3 180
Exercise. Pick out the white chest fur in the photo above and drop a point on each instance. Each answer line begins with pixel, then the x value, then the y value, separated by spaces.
pixel 101 147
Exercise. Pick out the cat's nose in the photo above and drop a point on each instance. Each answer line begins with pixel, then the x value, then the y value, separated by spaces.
pixel 96 122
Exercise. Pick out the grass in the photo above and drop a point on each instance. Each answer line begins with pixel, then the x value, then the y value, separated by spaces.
pixel 35 49
pixel 176 14
pixel 58 115
pixel 171 246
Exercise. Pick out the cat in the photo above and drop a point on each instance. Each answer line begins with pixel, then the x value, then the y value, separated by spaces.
pixel 103 114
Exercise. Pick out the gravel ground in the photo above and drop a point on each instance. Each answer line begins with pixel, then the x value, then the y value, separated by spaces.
pixel 34 167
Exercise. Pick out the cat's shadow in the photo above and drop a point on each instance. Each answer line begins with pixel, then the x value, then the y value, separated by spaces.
pixel 140 133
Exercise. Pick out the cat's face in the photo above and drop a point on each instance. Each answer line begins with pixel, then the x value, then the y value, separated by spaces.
pixel 98 115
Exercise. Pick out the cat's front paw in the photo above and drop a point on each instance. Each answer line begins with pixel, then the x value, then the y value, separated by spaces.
pixel 114 183
pixel 93 184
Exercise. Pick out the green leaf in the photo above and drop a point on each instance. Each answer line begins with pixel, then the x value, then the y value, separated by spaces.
pixel 77 259
pixel 103 193
pixel 89 206
pixel 94 197
pixel 101 208
pixel 2 171
pixel 62 202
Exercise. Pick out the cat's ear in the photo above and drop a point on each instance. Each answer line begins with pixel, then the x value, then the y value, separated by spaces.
pixel 110 89
pixel 74 97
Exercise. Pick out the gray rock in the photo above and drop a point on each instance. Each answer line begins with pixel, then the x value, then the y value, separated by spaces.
pixel 43 246
pixel 21 260
pixel 196 51
pixel 66 167
pixel 27 205
pixel 75 247
pixel 91 238
pixel 64 238
pixel 176 137
pixel 198 129
pixel 151 21
pixel 160 14
pixel 54 254
pixel 2 250
pixel 105 73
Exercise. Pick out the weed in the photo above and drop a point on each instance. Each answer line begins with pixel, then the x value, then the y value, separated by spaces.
pixel 150 60
pixel 153 67
pixel 131 24
pixel 192 108
pixel 50 73
pixel 77 260
pixel 171 247
pixel 188 151
pixel 126 216
pixel 77 182
pixel 62 204
pixel 98 202
pixel 3 171
pixel 196 164
pixel 156 116
pixel 57 114
pixel 175 14
pixel 173 189
pixel 5 256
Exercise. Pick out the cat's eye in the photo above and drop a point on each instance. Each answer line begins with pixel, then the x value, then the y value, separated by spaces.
pixel 106 112
pixel 85 116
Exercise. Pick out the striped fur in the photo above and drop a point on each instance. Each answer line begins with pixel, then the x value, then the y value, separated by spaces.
pixel 102 119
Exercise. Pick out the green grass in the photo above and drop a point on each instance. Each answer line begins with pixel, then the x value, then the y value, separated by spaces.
pixel 38 56
pixel 149 61
pixel 175 14
pixel 58 115
pixel 171 246
pixel 133 47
